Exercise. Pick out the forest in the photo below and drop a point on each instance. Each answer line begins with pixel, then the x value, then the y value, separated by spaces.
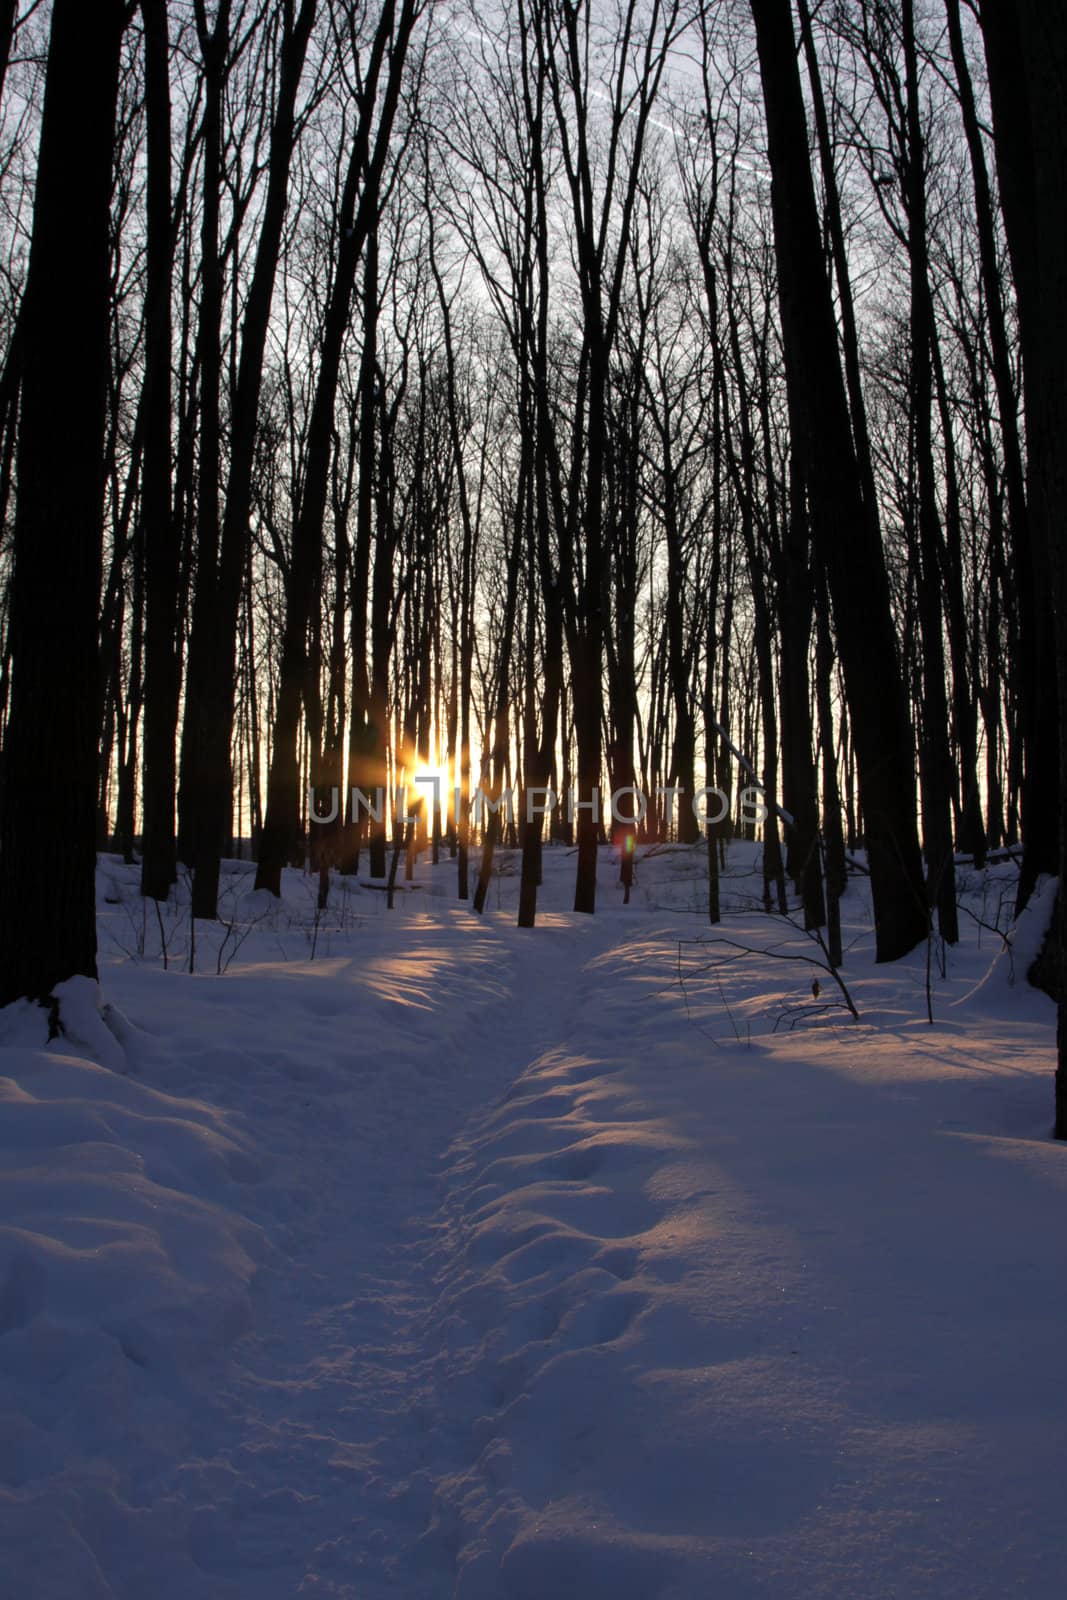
pixel 533 783
pixel 526 400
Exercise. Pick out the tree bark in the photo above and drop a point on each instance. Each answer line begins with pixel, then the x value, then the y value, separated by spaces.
pixel 48 808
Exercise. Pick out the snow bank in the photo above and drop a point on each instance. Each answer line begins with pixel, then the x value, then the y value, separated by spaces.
pixel 124 1264
pixel 741 1313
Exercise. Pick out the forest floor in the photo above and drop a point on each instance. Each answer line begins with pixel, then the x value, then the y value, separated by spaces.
pixel 413 1255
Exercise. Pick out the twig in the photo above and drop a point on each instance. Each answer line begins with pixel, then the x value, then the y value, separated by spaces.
pixel 784 955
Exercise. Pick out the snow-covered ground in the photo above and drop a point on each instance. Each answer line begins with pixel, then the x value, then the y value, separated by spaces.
pixel 408 1254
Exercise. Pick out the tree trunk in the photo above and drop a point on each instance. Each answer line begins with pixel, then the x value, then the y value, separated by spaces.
pixel 159 862
pixel 196 844
pixel 936 759
pixel 48 809
pixel 1032 139
pixel 844 528
pixel 1016 157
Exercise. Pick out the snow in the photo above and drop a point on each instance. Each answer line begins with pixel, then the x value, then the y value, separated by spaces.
pixel 411 1254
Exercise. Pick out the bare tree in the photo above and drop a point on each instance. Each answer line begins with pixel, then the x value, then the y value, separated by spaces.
pixel 378 97
pixel 845 528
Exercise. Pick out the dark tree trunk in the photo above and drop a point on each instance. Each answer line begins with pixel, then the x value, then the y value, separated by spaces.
pixel 588 646
pixel 48 809
pixel 381 645
pixel 463 612
pixel 130 712
pixel 1030 120
pixel 683 761
pixel 844 528
pixel 159 862
pixel 936 759
pixel 540 760
pixel 624 541
pixel 1016 157
pixel 196 843
pixel 498 756
pixel 754 538
pixel 362 737
pixel 970 832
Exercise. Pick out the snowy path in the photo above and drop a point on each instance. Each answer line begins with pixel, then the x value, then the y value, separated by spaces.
pixel 315 1473
pixel 555 1292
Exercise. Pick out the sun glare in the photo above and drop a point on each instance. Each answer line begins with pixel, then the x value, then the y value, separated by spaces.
pixel 423 777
